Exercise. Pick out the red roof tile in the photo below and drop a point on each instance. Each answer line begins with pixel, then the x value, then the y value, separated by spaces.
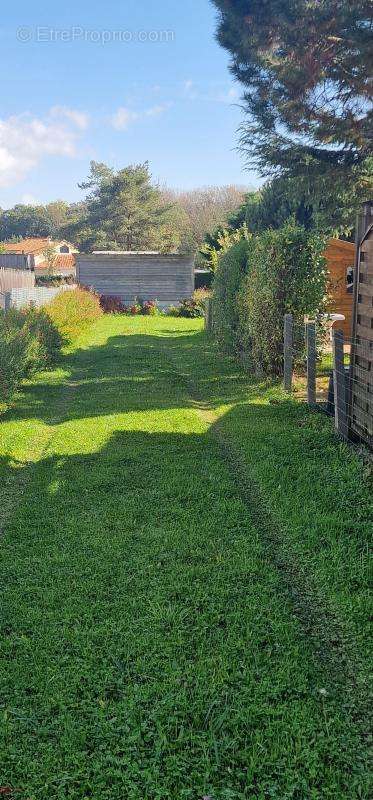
pixel 64 262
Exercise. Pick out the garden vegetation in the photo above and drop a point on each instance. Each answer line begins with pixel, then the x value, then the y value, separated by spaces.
pixel 260 279
pixel 31 339
pixel 185 584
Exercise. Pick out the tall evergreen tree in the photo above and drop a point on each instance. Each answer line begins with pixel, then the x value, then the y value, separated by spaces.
pixel 306 66
pixel 123 211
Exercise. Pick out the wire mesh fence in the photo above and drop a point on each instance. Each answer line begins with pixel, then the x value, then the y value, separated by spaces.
pixel 335 375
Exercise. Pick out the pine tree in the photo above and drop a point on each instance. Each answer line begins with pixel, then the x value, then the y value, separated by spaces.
pixel 123 211
pixel 306 66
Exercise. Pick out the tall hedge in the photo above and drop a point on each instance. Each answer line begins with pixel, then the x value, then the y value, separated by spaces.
pixel 287 274
pixel 232 266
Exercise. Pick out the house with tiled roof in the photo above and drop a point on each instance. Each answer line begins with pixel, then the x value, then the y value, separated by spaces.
pixel 47 256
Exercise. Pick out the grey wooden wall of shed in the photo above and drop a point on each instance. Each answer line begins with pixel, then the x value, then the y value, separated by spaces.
pixel 166 278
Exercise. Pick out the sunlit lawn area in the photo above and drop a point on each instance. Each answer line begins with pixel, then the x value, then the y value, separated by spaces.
pixel 184 581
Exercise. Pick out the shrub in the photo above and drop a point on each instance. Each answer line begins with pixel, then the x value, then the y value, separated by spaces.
pixel 38 322
pixel 173 311
pixel 55 280
pixel 232 266
pixel 190 309
pixel 135 308
pixel 16 346
pixel 73 309
pixel 28 341
pixel 200 296
pixel 112 305
pixel 286 275
pixel 149 308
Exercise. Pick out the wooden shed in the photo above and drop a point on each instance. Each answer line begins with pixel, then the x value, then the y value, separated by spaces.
pixel 149 276
pixel 340 258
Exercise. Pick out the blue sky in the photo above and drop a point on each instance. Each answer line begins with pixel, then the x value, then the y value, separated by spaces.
pixel 120 82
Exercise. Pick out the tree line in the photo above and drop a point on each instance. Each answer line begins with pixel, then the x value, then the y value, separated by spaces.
pixel 126 210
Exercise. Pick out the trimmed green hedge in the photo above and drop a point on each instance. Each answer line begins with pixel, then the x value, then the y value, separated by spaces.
pixel 287 275
pixel 232 266
pixel 261 279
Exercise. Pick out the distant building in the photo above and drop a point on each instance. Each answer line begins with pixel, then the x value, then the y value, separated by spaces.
pixel 45 255
pixel 167 278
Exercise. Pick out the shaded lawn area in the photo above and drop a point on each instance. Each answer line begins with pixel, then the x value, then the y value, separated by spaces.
pixel 184 581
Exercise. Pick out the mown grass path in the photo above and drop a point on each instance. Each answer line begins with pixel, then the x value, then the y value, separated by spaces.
pixel 184 581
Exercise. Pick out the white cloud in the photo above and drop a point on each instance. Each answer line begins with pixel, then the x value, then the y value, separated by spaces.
pixel 29 200
pixel 78 118
pixel 155 111
pixel 26 140
pixel 190 90
pixel 210 92
pixel 124 117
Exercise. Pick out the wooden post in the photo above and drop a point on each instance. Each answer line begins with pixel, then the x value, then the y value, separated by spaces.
pixel 211 324
pixel 288 352
pixel 339 380
pixel 311 362
pixel 207 313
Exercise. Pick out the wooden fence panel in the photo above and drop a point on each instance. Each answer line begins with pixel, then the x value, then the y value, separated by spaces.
pixel 15 279
pixel 361 373
pixel 17 261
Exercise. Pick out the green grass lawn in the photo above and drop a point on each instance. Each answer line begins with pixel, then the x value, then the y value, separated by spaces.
pixel 184 581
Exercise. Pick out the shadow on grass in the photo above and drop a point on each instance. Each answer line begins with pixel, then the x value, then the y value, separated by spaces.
pixel 149 642
pixel 135 373
pixel 153 645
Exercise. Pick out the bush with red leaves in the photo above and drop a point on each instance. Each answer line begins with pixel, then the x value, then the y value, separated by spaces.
pixel 112 305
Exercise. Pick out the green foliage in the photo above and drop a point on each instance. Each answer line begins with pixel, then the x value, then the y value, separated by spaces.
pixel 306 70
pixel 190 309
pixel 135 308
pixel 232 267
pixel 40 325
pixel 149 308
pixel 287 274
pixel 59 213
pixel 173 311
pixel 200 296
pixel 215 245
pixel 22 221
pixel 28 341
pixel 55 280
pixel 72 310
pixel 123 211
pixel 50 256
pixel 315 204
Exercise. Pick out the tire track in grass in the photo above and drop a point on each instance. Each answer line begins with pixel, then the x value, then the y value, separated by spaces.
pixel 165 606
pixel 332 646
